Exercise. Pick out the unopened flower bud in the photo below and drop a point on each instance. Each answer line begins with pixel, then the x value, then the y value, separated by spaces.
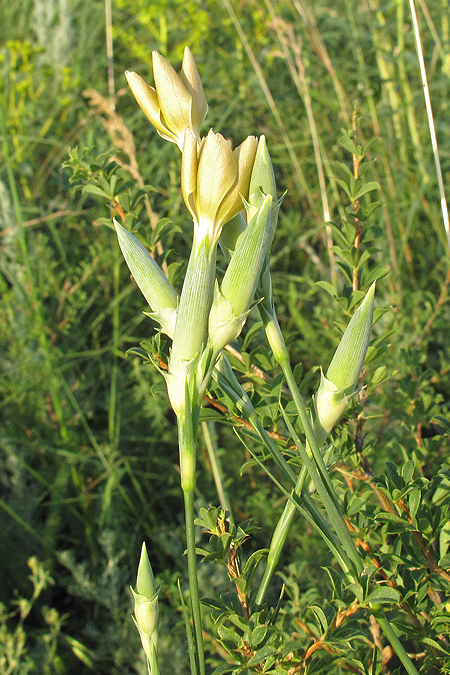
pixel 146 609
pixel 262 181
pixel 152 282
pixel 232 303
pixel 342 376
pixel 214 179
pixel 177 102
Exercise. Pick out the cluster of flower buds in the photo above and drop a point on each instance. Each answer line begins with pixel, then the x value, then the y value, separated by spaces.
pixel 176 102
pixel 216 182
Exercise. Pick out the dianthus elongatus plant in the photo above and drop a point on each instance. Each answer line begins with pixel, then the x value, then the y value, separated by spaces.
pixel 219 185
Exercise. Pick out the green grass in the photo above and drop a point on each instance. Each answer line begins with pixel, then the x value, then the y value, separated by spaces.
pixel 88 449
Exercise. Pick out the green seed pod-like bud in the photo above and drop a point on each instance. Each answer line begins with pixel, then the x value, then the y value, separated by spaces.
pixel 232 303
pixel 242 275
pixel 154 285
pixel 262 181
pixel 146 610
pixel 345 368
pixel 348 360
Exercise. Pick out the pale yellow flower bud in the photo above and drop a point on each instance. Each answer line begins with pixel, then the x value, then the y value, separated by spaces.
pixel 177 102
pixel 214 178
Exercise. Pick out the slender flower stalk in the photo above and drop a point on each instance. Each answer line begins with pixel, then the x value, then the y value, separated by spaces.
pixel 345 368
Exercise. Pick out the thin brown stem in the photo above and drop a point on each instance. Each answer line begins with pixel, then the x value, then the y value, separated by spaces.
pixel 358 228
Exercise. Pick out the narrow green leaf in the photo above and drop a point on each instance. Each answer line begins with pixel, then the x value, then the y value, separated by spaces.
pixel 348 145
pixel 408 470
pixel 321 617
pixel 228 634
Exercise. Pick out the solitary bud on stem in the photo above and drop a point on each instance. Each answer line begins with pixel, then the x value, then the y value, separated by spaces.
pixel 232 303
pixel 262 181
pixel 152 282
pixel 333 395
pixel 146 609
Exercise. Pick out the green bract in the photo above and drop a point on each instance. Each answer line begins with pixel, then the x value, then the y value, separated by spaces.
pixel 262 181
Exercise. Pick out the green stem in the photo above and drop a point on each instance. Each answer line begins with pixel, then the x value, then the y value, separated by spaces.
pixel 311 513
pixel 193 580
pixel 395 642
pixel 113 430
pixel 312 445
pixel 278 346
pixel 321 481
pixel 278 541
pixel 229 384
pixel 187 427
pixel 152 663
pixel 209 435
pixel 223 373
pixel 311 456
pixel 332 507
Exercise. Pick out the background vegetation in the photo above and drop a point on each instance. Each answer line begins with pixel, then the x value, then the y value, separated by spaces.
pixel 88 448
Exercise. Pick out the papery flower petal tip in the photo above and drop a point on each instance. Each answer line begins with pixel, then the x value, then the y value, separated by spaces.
pixel 177 101
pixel 147 99
pixel 214 178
